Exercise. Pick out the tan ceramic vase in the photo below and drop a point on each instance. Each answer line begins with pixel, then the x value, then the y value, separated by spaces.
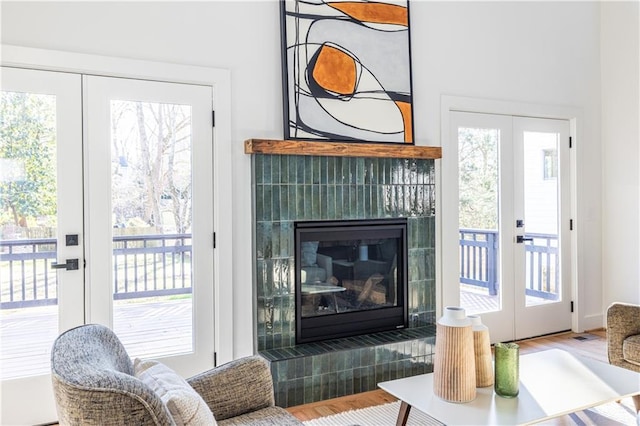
pixel 482 351
pixel 454 370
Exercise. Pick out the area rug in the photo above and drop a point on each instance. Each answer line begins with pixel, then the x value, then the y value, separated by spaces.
pixel 612 414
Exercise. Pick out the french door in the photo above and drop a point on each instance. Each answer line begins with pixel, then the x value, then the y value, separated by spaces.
pixel 132 228
pixel 513 251
pixel 41 196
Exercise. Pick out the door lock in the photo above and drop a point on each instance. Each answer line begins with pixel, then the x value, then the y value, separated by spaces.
pixel 69 265
pixel 521 239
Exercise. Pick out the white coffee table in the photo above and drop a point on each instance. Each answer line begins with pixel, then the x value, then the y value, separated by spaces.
pixel 323 288
pixel 552 383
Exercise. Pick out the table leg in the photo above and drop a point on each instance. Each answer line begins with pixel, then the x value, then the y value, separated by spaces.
pixel 403 414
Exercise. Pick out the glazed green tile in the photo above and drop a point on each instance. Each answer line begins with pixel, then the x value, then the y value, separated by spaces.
pixel 357 374
pixel 323 166
pixel 275 202
pixel 266 169
pixel 339 202
pixel 257 163
pixel 348 382
pixel 359 164
pixel 314 200
pixel 308 169
pixel 284 168
pixel 284 203
pixel 292 200
pixel 367 171
pixel 316 171
pixel 259 203
pixel 341 388
pixel 308 203
pixel 267 200
pixel 332 384
pixel 299 164
pixel 331 170
pixel 340 178
pixel 331 202
pixel 292 169
pixel 353 202
pixel 324 202
pixel 279 370
pixel 275 169
pixel 275 238
pixel 346 171
pixel 296 395
pixel 299 213
pixel 308 390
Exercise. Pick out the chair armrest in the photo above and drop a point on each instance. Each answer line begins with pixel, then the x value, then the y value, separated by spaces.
pixel 623 320
pixel 235 388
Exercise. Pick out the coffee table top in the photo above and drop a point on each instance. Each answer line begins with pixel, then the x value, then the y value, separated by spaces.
pixel 320 288
pixel 552 383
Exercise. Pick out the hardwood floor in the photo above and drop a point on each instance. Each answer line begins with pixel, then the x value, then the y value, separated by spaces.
pixel 592 344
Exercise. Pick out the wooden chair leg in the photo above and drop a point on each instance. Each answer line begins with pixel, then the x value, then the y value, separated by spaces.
pixel 636 402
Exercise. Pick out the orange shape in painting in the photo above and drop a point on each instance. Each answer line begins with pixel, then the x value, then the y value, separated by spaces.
pixel 374 12
pixel 405 110
pixel 335 71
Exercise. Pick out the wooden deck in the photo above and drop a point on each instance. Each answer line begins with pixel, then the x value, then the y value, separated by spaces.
pixel 146 329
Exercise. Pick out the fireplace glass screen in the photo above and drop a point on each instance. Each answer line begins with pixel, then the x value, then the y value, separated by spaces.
pixel 350 278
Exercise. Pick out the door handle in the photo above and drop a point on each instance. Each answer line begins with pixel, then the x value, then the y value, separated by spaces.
pixel 521 239
pixel 69 265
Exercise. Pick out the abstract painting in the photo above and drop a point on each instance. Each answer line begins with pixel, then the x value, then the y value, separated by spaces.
pixel 347 70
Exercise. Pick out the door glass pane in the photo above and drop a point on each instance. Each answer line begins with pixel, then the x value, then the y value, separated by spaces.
pixel 151 213
pixel 478 219
pixel 28 221
pixel 541 217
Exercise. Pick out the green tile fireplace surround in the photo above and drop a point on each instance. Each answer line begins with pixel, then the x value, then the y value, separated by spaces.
pixel 290 188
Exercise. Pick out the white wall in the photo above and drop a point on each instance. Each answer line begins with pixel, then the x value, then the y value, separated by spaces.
pixel 620 47
pixel 541 52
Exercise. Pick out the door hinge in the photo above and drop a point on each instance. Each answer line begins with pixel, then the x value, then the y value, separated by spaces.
pixel 213 119
pixel 572 306
pixel 214 240
pixel 215 359
pixel 570 142
pixel 570 224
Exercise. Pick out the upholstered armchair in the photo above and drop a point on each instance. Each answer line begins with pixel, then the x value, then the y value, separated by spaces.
pixel 623 338
pixel 96 383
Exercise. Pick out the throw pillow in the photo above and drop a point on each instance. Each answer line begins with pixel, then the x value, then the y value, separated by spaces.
pixel 185 404
pixel 309 251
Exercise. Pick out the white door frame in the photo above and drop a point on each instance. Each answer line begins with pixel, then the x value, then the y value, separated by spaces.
pixel 220 80
pixel 447 197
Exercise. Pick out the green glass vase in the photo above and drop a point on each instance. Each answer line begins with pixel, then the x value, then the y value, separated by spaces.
pixel 507 366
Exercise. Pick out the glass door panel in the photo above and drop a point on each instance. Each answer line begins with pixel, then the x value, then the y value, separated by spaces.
pixel 478 214
pixel 541 218
pixel 28 184
pixel 151 220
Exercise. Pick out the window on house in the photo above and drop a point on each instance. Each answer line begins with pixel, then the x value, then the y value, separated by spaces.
pixel 550 163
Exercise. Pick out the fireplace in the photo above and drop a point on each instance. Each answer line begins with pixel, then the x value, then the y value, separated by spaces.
pixel 351 277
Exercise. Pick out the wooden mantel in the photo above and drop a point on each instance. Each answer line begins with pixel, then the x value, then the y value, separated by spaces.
pixel 340 149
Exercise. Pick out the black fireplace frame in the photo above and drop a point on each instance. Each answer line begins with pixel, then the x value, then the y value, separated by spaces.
pixel 345 324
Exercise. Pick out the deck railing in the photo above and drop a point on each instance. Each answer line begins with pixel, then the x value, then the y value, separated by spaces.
pixel 155 265
pixel 143 266
pixel 479 262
